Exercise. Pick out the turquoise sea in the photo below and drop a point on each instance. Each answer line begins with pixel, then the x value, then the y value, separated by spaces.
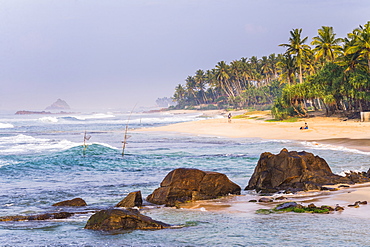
pixel 42 162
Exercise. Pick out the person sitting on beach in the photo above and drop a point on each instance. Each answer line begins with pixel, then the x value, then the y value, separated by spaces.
pixel 305 127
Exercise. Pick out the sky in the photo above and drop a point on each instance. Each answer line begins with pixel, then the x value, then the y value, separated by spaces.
pixel 114 54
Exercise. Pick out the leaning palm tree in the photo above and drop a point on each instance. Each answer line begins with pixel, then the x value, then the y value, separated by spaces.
pixel 222 73
pixel 298 49
pixel 327 47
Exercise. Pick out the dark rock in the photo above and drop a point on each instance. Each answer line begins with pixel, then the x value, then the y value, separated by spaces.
pixel 280 198
pixel 356 205
pixel 46 216
pixel 133 199
pixel 265 199
pixel 311 205
pixel 122 219
pixel 363 202
pixel 286 205
pixel 76 202
pixel 296 171
pixel 343 186
pixel 338 208
pixel 181 185
pixel 253 200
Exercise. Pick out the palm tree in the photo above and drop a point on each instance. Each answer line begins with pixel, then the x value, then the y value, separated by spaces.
pixel 236 69
pixel 200 81
pixel 297 48
pixel 191 88
pixel 361 37
pixel 222 73
pixel 287 68
pixel 179 94
pixel 326 45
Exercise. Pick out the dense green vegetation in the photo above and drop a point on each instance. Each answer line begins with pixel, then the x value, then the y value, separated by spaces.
pixel 332 75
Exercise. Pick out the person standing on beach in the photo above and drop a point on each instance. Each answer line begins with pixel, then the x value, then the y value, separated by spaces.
pixel 229 118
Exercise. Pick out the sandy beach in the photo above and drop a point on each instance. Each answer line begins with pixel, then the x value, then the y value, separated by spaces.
pixel 322 130
pixel 327 130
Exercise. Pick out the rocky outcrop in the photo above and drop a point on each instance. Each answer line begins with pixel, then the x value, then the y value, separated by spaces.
pixel 46 216
pixel 58 105
pixel 122 219
pixel 76 202
pixel 134 199
pixel 296 171
pixel 183 184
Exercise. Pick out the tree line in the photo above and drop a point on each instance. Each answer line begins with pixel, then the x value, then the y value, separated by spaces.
pixel 331 74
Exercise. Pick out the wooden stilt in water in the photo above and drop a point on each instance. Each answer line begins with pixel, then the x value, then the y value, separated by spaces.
pixel 86 138
pixel 125 137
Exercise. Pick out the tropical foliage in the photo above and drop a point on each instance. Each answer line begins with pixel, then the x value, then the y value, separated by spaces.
pixel 330 74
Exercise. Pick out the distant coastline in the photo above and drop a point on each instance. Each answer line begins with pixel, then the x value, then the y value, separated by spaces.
pixel 41 113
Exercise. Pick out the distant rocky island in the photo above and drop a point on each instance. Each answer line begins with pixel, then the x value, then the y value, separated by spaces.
pixel 57 105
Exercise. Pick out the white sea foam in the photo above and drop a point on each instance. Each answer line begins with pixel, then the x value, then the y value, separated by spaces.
pixel 4 163
pixel 48 119
pixel 94 116
pixel 316 145
pixel 164 119
pixel 25 144
pixel 6 126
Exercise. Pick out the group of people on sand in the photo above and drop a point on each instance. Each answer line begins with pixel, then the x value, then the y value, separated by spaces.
pixel 305 127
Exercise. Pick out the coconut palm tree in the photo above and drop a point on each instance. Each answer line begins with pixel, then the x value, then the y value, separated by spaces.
pixel 298 49
pixel 327 47
pixel 179 95
pixel 200 80
pixel 222 73
pixel 287 68
pixel 361 44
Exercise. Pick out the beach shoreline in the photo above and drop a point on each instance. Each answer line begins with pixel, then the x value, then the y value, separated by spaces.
pixel 324 130
pixel 350 134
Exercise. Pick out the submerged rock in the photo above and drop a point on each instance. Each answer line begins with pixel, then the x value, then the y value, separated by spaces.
pixel 181 185
pixel 76 202
pixel 123 219
pixel 134 199
pixel 296 171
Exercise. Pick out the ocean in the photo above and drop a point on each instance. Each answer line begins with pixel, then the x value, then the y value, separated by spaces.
pixel 42 161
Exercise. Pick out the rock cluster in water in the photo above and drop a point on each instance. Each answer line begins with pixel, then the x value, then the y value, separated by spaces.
pixel 183 184
pixel 288 171
pixel 297 171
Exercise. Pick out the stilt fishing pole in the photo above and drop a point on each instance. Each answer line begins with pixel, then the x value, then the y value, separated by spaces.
pixel 86 138
pixel 125 137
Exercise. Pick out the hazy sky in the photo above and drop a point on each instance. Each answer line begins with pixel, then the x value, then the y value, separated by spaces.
pixel 116 53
